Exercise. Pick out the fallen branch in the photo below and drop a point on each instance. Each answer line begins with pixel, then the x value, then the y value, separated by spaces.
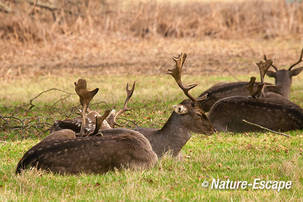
pixel 5 118
pixel 61 99
pixel 264 128
pixel 52 89
pixel 133 122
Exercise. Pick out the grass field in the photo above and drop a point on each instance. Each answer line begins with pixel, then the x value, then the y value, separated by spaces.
pixel 222 156
pixel 96 40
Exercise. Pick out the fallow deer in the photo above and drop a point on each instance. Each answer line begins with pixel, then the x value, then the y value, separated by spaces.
pixel 110 121
pixel 117 148
pixel 266 109
pixel 66 153
pixel 85 129
pixel 283 80
pixel 186 118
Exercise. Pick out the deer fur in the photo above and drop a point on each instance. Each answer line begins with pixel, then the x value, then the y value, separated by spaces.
pixel 118 148
pixel 186 118
pixel 275 113
pixel 269 110
pixel 283 81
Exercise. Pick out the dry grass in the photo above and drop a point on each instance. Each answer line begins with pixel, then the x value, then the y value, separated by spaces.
pixel 95 55
pixel 114 42
pixel 231 19
pixel 125 37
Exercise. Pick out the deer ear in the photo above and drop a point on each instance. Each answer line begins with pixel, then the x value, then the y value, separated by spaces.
pixel 296 71
pixel 180 109
pixel 271 74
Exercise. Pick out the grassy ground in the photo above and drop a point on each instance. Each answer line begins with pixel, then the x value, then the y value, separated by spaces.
pixel 96 40
pixel 224 155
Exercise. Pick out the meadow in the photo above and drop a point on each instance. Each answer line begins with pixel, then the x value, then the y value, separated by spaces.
pixel 39 54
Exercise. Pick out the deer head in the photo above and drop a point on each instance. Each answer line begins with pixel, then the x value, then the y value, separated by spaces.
pixel 283 77
pixel 192 115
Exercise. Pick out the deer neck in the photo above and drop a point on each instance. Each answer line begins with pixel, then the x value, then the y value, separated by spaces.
pixel 174 135
pixel 284 85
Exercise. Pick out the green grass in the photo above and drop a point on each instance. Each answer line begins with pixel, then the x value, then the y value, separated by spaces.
pixel 224 155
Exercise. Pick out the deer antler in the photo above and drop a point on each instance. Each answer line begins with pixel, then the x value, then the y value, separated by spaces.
pixel 265 59
pixel 176 73
pixel 263 67
pixel 300 60
pixel 254 93
pixel 250 85
pixel 85 98
pixel 99 121
pixel 112 118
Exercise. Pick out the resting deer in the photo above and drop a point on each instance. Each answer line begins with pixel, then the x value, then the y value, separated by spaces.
pixel 283 80
pixel 269 110
pixel 65 153
pixel 110 122
pixel 186 118
pixel 85 129
pixel 117 148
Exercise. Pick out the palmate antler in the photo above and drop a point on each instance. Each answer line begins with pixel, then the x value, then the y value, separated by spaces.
pixel 85 97
pixel 112 120
pixel 176 73
pixel 263 67
pixel 251 88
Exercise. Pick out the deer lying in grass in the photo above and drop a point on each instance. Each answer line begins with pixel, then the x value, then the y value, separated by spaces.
pixel 65 153
pixel 85 129
pixel 118 148
pixel 186 118
pixel 283 80
pixel 267 109
pixel 108 123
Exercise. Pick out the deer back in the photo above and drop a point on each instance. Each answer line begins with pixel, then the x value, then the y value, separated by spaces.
pixel 225 90
pixel 276 114
pixel 119 148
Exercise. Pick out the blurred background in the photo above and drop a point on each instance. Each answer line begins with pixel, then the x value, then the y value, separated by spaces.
pixel 44 37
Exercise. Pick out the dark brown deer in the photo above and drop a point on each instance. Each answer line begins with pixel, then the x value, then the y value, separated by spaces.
pixel 117 148
pixel 228 114
pixel 283 77
pixel 186 118
pixel 110 122
pixel 66 152
pixel 283 80
pixel 85 129
pixel 71 134
pixel 269 110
